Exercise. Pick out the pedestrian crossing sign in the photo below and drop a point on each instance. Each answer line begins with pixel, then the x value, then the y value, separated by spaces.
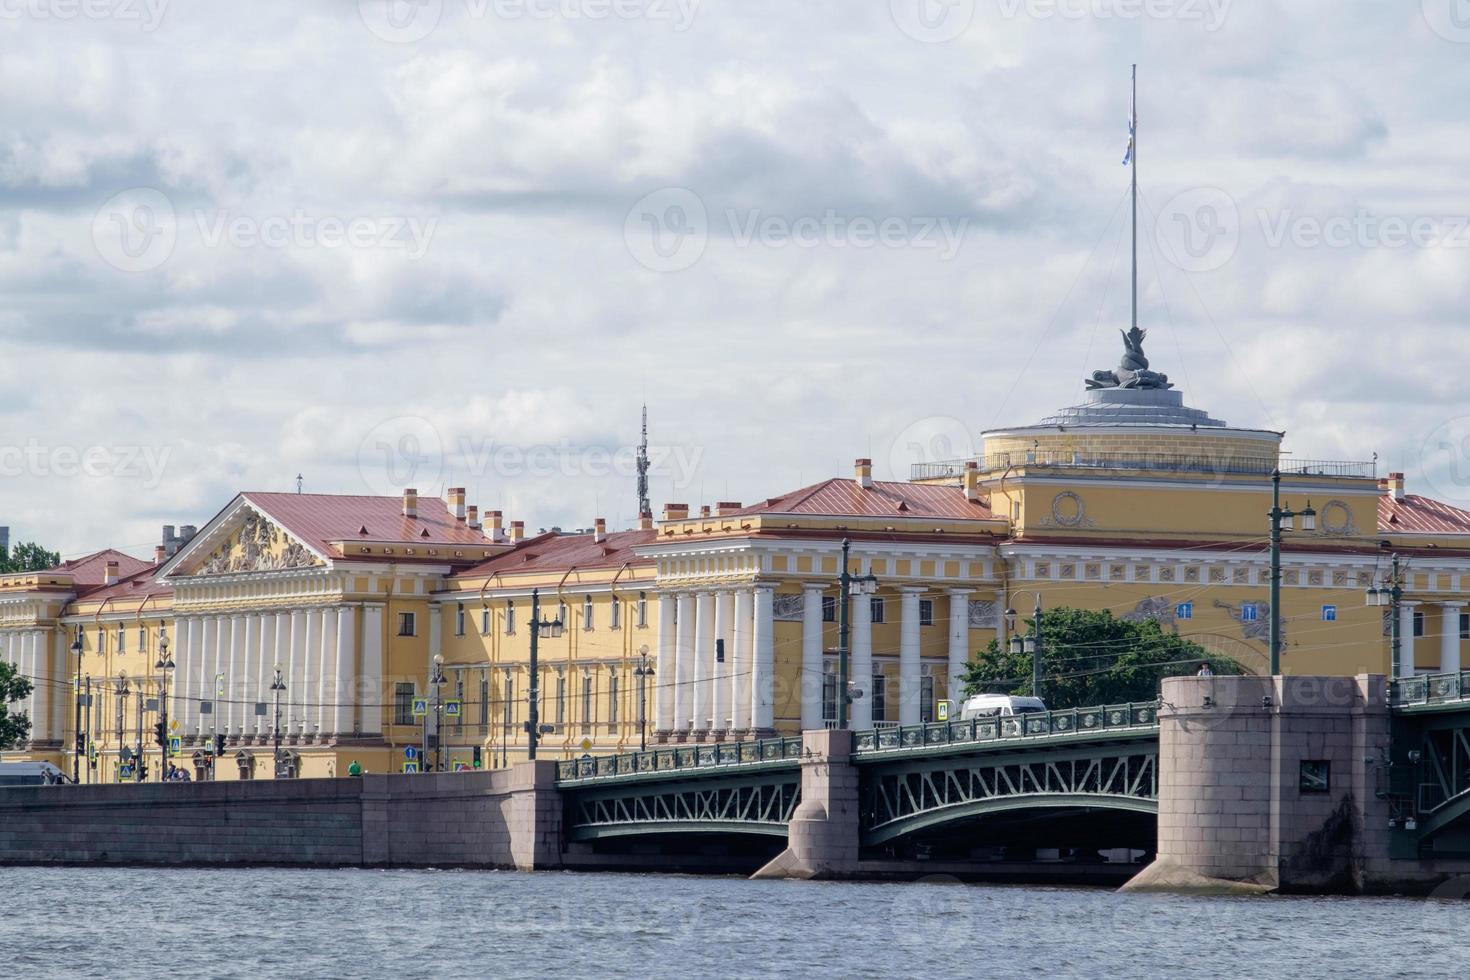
pixel 420 707
pixel 409 767
pixel 175 745
pixel 452 709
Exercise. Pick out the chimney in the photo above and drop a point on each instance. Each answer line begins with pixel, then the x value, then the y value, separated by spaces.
pixel 496 531
pixel 972 482
pixel 1396 485
pixel 410 503
pixel 472 516
pixel 456 502
pixel 110 576
pixel 726 507
pixel 517 532
pixel 864 469
pixel 645 521
pixel 704 510
pixel 599 530
pixel 676 512
pixel 160 554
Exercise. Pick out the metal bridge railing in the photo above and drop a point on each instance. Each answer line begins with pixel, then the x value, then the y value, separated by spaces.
pixel 1151 462
pixel 1039 724
pixel 1406 692
pixel 715 755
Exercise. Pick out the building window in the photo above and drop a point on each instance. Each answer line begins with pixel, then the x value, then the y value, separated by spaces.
pixel 829 609
pixel 1184 610
pixel 615 614
pixel 562 615
pixel 642 610
pixel 459 619
pixel 880 696
pixel 484 620
pixel 509 694
pixel 101 640
pixel 926 699
pixel 561 699
pixel 587 613
pixel 829 696
pixel 926 612
pixel 880 615
pixel 142 639
pixel 459 696
pixel 484 697
pixel 510 618
pixel 1250 612
pixel 1315 776
pixel 612 698
pixel 586 699
pixel 403 704
pixel 122 639
pixel 1329 614
pixel 1465 626
pixel 406 624
pixel 1418 624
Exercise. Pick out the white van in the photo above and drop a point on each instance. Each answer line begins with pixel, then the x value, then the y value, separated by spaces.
pixel 999 705
pixel 30 774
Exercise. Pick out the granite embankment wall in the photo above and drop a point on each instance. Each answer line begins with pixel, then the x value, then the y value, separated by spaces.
pixel 504 819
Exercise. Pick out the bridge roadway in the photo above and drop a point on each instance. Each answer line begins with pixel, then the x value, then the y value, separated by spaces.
pixel 910 778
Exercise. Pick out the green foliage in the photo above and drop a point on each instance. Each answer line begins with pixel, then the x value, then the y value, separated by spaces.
pixel 14 728
pixel 28 557
pixel 1091 658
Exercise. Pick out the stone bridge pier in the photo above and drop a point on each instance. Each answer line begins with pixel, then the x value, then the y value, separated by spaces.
pixel 825 830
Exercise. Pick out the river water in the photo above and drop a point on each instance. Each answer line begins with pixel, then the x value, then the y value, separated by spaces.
pixel 282 923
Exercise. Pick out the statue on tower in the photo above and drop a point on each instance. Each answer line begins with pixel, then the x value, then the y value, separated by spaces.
pixel 1132 370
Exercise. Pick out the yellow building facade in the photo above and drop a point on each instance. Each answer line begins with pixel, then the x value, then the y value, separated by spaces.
pixel 397 631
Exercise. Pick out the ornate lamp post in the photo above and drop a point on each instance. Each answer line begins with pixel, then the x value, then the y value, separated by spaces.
pixel 1279 515
pixel 77 733
pixel 1030 644
pixel 643 673
pixel 1391 593
pixel 849 585
pixel 437 680
pixel 540 629
pixel 164 665
pixel 278 685
pixel 123 692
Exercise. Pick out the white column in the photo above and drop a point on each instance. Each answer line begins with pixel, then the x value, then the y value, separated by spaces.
pixel 342 690
pixel 704 661
pixel 664 673
pixel 44 677
pixel 186 674
pixel 204 677
pixel 1406 638
pixel 265 658
pixel 375 691
pixel 763 662
pixel 325 688
pixel 909 685
pixel 744 642
pixel 27 668
pixel 1449 641
pixel 311 665
pixel 295 668
pixel 725 638
pixel 861 717
pixel 684 664
pixel 235 678
pixel 959 645
pixel 249 671
pixel 809 683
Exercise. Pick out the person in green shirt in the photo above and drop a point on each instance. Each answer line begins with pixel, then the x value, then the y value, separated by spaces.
pixel 354 769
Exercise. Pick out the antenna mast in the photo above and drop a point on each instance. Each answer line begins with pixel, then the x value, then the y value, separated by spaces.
pixel 644 505
pixel 1133 161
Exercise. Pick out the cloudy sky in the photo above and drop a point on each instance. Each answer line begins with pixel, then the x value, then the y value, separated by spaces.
pixel 449 242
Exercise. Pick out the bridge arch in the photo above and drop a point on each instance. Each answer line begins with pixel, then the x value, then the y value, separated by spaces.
pixel 976 808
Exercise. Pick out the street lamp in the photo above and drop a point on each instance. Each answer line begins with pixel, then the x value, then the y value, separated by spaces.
pixel 1278 514
pixel 540 629
pixel 164 665
pixel 437 680
pixel 123 691
pixel 1391 593
pixel 643 673
pixel 1030 644
pixel 849 585
pixel 77 733
pixel 277 686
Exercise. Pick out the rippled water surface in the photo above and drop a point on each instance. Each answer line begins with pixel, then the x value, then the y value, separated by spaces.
pixel 279 923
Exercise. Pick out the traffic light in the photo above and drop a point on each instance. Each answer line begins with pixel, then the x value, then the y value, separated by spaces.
pixel 219 745
pixel 477 757
pixel 159 735
pixel 81 744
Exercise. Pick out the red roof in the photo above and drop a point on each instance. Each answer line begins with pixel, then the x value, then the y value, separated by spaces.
pixel 844 497
pixel 558 552
pixel 1412 514
pixel 318 518
pixel 134 586
pixel 91 570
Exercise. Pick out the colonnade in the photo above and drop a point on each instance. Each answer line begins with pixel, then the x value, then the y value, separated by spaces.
pixel 28 652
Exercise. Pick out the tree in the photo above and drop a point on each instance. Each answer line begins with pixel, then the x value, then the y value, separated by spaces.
pixel 1092 658
pixel 29 557
pixel 14 728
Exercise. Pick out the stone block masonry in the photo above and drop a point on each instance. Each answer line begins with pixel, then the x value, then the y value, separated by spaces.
pixel 504 819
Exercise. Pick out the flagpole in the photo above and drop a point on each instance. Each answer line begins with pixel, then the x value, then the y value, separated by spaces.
pixel 1133 160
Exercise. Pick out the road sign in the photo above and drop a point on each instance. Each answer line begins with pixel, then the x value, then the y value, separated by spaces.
pixel 125 772
pixel 420 707
pixel 173 725
pixel 125 753
pixel 409 752
pixel 410 767
pixel 461 767
pixel 452 709
pixel 586 745
pixel 943 711
pixel 175 745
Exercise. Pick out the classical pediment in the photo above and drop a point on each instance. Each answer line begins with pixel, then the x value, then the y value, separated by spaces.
pixel 247 541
